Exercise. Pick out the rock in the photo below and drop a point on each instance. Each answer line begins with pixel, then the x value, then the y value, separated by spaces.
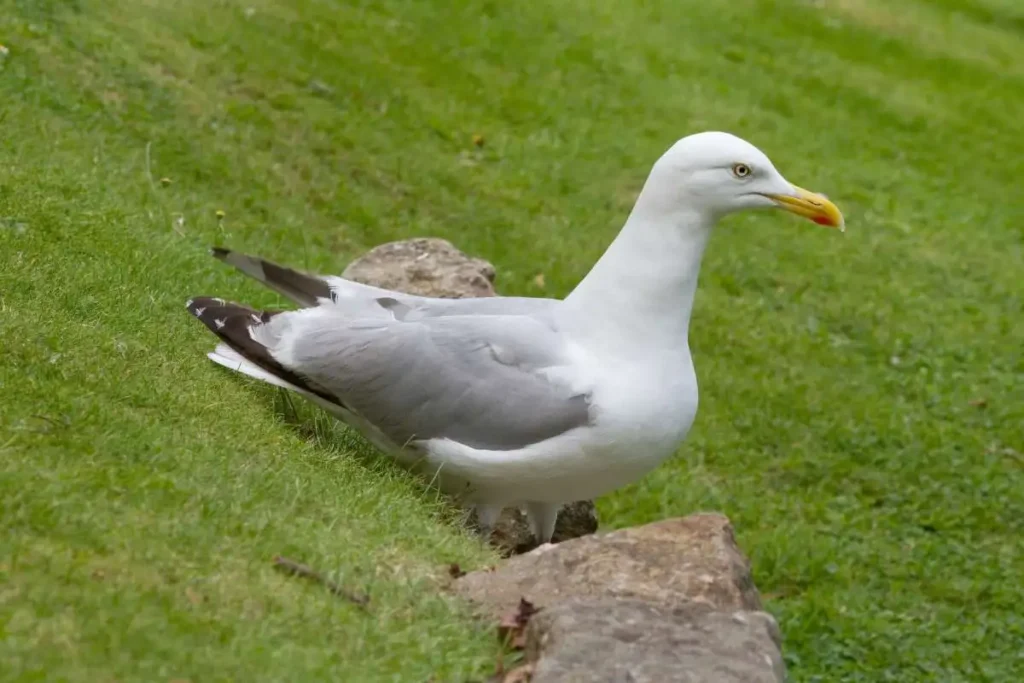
pixel 636 640
pixel 430 266
pixel 668 601
pixel 575 520
pixel 671 562
pixel 426 266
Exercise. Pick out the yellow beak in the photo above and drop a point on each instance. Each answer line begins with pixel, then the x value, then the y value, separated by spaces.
pixel 811 205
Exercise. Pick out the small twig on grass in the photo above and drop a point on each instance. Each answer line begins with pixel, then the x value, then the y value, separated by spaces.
pixel 63 423
pixel 51 423
pixel 294 568
pixel 149 171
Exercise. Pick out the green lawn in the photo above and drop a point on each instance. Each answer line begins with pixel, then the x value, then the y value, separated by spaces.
pixel 862 410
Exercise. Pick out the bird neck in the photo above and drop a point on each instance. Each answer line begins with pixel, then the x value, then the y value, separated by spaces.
pixel 641 291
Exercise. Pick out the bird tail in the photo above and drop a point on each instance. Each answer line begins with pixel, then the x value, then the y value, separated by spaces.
pixel 302 288
pixel 247 339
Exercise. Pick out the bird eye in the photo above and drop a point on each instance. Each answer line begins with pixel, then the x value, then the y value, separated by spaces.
pixel 741 170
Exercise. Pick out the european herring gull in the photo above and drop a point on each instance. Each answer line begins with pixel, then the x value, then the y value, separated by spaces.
pixel 514 400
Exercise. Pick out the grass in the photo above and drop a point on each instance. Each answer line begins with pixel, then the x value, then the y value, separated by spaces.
pixel 862 409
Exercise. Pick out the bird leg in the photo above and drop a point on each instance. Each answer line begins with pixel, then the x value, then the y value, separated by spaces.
pixel 487 518
pixel 542 518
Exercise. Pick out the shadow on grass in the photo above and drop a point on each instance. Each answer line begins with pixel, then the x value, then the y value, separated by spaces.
pixel 336 440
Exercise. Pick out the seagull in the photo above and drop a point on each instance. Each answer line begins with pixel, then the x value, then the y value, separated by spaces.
pixel 531 402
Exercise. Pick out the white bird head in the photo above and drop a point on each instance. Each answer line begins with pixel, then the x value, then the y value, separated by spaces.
pixel 719 173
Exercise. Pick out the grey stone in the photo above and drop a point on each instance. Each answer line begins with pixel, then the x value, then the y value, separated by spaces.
pixel 426 266
pixel 672 562
pixel 606 639
pixel 668 601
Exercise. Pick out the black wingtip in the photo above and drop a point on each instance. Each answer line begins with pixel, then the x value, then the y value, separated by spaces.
pixel 232 323
pixel 198 305
pixel 213 312
pixel 216 314
pixel 219 253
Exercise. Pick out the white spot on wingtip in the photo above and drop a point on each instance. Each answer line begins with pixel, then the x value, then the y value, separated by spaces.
pixel 219 323
pixel 220 302
pixel 188 304
pixel 255 318
pixel 199 311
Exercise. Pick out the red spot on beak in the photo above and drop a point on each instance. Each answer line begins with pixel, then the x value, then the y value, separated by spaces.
pixel 822 220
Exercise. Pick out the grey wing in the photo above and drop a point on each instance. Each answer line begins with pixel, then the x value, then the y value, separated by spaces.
pixel 489 382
